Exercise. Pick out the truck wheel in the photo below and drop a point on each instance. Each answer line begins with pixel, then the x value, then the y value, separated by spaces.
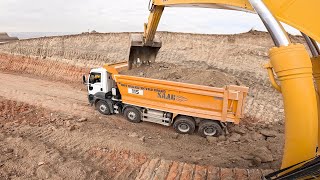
pixel 103 107
pixel 184 125
pixel 132 115
pixel 209 128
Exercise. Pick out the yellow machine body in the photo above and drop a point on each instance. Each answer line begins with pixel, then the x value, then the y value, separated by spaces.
pixel 294 69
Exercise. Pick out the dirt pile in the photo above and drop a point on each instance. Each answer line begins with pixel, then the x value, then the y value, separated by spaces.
pixel 168 71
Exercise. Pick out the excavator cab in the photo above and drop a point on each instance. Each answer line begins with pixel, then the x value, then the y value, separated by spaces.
pixel 142 53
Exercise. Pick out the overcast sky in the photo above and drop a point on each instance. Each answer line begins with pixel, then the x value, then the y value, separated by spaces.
pixel 117 16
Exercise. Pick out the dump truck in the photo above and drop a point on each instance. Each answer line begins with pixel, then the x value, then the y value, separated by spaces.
pixel 182 105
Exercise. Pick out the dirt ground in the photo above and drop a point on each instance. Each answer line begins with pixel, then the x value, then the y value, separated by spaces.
pixel 47 126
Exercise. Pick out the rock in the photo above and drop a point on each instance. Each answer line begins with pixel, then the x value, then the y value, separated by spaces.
pixel 250 128
pixel 71 128
pixel 141 73
pixel 98 175
pixel 235 137
pixel 40 163
pixel 246 138
pixel 7 150
pixel 257 137
pixel 43 172
pixel 222 138
pixel 247 157
pixel 239 130
pixel 264 154
pixel 82 120
pixel 105 149
pixel 256 161
pixel 175 136
pixel 68 123
pixel 133 135
pixel 212 139
pixel 52 128
pixel 269 133
pixel 142 139
pixel 270 126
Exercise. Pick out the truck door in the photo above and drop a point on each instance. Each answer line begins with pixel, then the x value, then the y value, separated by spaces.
pixel 95 84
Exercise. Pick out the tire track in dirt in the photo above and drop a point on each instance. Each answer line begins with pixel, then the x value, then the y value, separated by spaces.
pixel 115 133
pixel 46 150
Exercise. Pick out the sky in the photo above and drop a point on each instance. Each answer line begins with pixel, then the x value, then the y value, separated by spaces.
pixel 118 16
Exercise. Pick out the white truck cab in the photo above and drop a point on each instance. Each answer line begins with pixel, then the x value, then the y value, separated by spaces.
pixel 100 85
pixel 99 80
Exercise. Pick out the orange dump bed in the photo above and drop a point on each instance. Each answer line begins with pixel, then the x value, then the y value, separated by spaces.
pixel 223 104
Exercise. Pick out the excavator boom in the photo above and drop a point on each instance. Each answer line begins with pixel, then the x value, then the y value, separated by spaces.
pixel 299 14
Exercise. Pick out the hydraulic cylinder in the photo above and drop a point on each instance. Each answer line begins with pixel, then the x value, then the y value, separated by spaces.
pixel 293 67
pixel 316 76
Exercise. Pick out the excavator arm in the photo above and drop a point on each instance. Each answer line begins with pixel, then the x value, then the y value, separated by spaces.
pixel 290 62
pixel 299 14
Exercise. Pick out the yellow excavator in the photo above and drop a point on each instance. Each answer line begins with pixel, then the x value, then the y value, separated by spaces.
pixel 297 71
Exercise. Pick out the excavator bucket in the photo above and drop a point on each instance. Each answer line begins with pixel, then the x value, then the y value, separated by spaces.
pixel 142 53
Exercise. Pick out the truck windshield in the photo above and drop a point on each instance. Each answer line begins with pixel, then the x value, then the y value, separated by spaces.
pixel 95 78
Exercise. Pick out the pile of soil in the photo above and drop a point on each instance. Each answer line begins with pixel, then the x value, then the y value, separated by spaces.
pixel 166 71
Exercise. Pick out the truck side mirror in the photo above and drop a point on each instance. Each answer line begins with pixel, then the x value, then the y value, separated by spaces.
pixel 84 79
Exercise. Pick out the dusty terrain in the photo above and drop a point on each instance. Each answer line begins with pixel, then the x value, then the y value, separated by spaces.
pixel 47 125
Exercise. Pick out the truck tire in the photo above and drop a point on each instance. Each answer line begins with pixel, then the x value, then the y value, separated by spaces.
pixel 184 125
pixel 132 114
pixel 209 128
pixel 103 107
